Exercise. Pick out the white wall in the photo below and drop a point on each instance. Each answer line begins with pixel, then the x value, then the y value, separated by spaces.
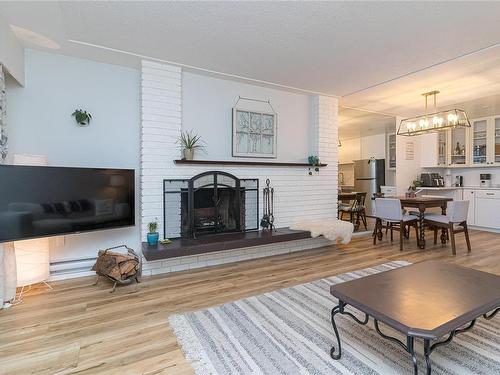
pixel 11 52
pixel 406 170
pixel 40 122
pixel 207 104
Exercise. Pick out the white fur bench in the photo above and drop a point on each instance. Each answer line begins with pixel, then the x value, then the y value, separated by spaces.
pixel 332 229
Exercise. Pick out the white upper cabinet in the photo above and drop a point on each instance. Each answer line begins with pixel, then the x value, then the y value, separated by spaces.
pixel 350 151
pixel 495 149
pixel 477 146
pixel 458 146
pixel 480 147
pixel 391 151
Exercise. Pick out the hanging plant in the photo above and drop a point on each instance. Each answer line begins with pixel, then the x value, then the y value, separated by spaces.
pixel 82 117
pixel 314 164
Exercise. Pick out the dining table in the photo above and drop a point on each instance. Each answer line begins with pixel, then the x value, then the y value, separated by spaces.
pixel 422 204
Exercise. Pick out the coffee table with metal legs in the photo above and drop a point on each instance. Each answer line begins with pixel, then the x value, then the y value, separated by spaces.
pixel 432 301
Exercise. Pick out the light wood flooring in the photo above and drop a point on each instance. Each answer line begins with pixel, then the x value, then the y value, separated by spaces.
pixel 81 329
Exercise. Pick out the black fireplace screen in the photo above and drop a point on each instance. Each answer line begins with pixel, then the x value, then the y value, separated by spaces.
pixel 211 202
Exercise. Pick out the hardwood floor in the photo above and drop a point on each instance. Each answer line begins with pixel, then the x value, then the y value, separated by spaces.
pixel 81 329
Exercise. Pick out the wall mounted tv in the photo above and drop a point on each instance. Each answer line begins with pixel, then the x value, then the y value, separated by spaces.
pixel 48 201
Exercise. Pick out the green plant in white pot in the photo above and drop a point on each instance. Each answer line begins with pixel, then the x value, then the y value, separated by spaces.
pixel 189 142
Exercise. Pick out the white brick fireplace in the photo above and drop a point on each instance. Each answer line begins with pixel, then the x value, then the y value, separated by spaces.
pixel 298 196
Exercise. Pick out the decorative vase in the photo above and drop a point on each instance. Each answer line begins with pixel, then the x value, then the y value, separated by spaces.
pixel 153 238
pixel 188 153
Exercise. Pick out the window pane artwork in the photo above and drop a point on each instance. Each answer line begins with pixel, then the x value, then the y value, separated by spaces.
pixel 254 134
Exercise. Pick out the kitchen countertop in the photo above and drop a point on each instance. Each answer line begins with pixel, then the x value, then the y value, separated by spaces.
pixel 462 187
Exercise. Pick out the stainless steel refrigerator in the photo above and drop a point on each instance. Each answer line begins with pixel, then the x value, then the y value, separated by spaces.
pixel 369 175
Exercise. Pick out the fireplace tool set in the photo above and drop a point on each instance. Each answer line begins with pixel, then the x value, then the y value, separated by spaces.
pixel 267 221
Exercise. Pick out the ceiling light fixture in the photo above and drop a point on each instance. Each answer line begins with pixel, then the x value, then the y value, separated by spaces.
pixel 433 122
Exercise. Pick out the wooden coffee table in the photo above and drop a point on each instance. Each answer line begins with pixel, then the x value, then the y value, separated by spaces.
pixel 428 300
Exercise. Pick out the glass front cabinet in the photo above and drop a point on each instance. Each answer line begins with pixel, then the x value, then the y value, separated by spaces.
pixel 458 146
pixel 485 141
pixel 479 130
pixel 476 146
pixel 442 157
pixel 496 141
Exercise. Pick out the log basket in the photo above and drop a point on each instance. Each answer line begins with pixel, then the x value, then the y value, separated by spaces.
pixel 118 267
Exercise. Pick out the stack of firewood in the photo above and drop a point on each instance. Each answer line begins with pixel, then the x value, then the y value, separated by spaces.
pixel 118 267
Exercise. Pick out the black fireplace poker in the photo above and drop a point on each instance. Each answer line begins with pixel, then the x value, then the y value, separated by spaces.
pixel 267 221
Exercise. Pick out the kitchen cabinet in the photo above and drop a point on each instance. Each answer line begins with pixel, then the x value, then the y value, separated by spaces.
pixel 469 195
pixel 442 148
pixel 391 151
pixel 495 137
pixel 477 146
pixel 350 151
pixel 458 146
pixel 486 208
pixel 434 149
pixel 480 146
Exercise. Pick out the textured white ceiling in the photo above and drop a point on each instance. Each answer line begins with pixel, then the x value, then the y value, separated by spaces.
pixel 338 48
pixel 354 123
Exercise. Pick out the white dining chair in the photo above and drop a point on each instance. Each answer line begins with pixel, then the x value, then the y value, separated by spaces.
pixel 390 211
pixel 455 221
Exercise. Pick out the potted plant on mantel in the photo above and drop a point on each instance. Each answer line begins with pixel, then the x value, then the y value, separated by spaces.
pixel 189 142
pixel 153 234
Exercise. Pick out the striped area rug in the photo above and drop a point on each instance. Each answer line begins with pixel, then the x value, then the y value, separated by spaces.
pixel 288 331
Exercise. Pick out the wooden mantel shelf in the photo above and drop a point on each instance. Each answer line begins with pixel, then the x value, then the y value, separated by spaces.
pixel 246 162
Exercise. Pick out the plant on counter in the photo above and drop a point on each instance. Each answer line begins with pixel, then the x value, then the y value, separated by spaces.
pixel 82 117
pixel 413 188
pixel 189 142
pixel 314 163
pixel 153 234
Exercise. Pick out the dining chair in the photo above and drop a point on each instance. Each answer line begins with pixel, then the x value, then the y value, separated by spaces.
pixel 356 210
pixel 390 211
pixel 455 221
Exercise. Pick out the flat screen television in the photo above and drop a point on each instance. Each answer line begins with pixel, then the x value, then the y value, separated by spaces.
pixel 48 201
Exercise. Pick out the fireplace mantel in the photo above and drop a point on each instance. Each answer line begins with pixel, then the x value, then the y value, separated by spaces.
pixel 245 162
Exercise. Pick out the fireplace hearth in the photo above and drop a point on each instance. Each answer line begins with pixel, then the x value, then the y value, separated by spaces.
pixel 210 203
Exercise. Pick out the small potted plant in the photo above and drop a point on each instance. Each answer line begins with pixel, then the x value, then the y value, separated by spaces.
pixel 314 163
pixel 82 117
pixel 189 142
pixel 153 234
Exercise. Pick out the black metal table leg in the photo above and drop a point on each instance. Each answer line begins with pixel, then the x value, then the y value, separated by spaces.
pixel 335 311
pixel 427 353
pixel 340 309
pixel 410 340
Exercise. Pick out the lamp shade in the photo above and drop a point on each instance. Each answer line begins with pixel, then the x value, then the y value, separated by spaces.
pixel 32 261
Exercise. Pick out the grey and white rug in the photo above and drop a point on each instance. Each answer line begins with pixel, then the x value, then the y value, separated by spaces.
pixel 288 331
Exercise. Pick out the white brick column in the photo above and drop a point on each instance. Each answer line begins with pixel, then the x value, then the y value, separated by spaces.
pixel 161 117
pixel 325 117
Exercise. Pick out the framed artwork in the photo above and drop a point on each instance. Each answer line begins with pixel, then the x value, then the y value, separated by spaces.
pixel 254 134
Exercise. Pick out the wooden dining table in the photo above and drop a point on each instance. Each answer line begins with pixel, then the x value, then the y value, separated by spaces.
pixel 423 203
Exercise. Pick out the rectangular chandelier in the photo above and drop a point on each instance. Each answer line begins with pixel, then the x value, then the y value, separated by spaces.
pixel 433 122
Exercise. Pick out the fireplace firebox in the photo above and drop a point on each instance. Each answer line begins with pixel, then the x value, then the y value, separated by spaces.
pixel 210 203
